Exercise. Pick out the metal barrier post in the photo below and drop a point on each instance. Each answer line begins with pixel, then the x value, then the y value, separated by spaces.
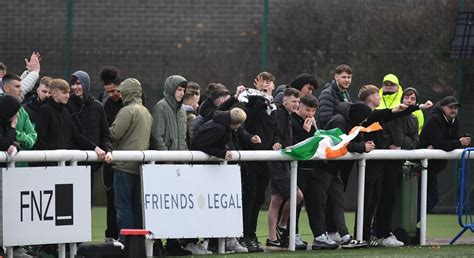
pixel 293 187
pixel 221 245
pixel 360 200
pixel 424 187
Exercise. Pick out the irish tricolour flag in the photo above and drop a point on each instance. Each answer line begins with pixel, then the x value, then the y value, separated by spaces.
pixel 327 144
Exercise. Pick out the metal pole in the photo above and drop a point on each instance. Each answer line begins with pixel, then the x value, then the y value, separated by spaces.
pixel 424 187
pixel 62 247
pixel 221 242
pixel 360 200
pixel 68 46
pixel 293 187
pixel 264 35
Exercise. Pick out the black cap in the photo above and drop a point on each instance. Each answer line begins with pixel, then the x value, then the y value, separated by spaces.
pixel 449 101
pixel 358 112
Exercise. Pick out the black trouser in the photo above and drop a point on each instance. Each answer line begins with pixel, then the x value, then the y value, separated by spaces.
pixel 108 179
pixel 345 174
pixel 372 192
pixel 392 172
pixel 327 189
pixel 255 179
pixel 308 184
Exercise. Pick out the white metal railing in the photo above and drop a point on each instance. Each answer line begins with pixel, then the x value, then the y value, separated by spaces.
pixel 196 156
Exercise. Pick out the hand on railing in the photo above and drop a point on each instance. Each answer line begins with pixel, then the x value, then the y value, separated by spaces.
pixel 228 155
pixel 12 150
pixel 369 146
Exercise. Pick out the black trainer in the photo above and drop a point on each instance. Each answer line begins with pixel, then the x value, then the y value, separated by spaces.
pixel 252 245
pixel 275 244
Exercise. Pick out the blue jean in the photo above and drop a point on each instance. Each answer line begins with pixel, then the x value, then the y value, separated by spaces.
pixel 127 201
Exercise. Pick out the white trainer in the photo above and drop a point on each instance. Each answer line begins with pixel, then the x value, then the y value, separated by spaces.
pixel 334 236
pixel 197 248
pixel 391 241
pixel 232 244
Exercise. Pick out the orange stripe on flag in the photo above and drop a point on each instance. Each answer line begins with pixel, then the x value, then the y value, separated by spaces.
pixel 371 128
pixel 332 154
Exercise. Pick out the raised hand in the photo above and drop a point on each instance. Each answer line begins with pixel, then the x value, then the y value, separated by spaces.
pixel 34 63
pixel 426 105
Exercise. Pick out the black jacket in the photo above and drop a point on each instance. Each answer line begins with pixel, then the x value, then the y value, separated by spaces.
pixel 207 109
pixel 284 128
pixel 382 139
pixel 299 135
pixel 90 118
pixel 215 136
pixel 111 108
pixel 32 107
pixel 260 123
pixel 403 132
pixel 441 134
pixel 328 101
pixel 56 130
pixel 343 122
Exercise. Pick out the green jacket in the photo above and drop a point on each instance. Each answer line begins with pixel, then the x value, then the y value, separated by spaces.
pixel 169 119
pixel 25 130
pixel 132 125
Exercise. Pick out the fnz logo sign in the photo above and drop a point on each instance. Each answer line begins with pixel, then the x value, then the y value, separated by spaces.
pixel 45 205
pixel 37 205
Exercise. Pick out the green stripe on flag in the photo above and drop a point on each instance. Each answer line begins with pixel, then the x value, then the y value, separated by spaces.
pixel 306 149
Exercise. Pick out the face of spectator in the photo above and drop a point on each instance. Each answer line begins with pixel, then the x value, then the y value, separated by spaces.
pixel 343 80
pixel 195 103
pixel 305 111
pixel 374 98
pixel 2 73
pixel 179 93
pixel 389 86
pixel 265 86
pixel 77 88
pixel 60 96
pixel 12 88
pixel 291 103
pixel 42 92
pixel 112 92
pixel 450 111
pixel 409 99
pixel 306 90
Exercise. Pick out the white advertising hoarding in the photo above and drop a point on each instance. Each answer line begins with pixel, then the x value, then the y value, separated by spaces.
pixel 192 201
pixel 44 205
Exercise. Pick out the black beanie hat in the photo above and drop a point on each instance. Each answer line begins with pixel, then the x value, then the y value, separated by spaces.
pixel 9 105
pixel 358 112
pixel 303 79
pixel 405 93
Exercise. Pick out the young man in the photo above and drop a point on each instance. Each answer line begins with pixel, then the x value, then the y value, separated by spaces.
pixel 89 116
pixel 281 172
pixel 305 83
pixel 441 131
pixel 304 126
pixel 112 102
pixel 130 131
pixel 169 119
pixel 330 184
pixel 374 169
pixel 34 104
pixel 334 93
pixel 25 131
pixel 190 105
pixel 56 130
pixel 8 122
pixel 256 174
